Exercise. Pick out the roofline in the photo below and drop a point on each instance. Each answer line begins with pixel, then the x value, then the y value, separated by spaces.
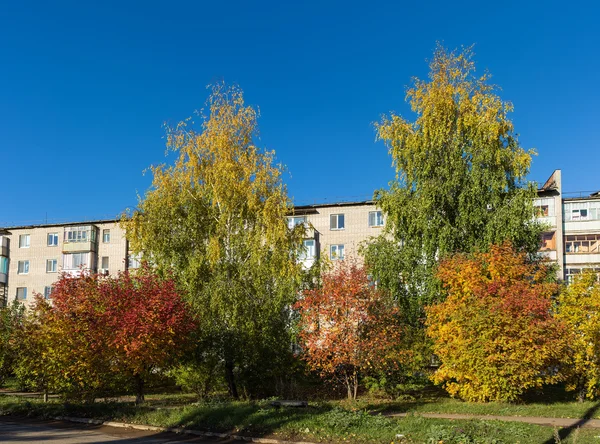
pixel 65 224
pixel 591 197
pixel 333 204
pixel 296 208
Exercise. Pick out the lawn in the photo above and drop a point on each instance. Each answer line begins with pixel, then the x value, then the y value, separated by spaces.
pixel 332 422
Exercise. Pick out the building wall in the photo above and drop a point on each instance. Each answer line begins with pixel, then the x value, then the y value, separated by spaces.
pixel 581 236
pixel 356 227
pixel 39 252
pixel 115 249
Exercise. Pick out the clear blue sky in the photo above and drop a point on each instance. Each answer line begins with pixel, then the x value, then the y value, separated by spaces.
pixel 86 86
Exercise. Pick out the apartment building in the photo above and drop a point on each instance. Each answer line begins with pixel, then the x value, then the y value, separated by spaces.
pixel 336 230
pixel 572 239
pixel 34 256
pixel 4 255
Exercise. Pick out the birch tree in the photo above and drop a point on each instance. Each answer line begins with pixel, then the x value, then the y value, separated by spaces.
pixel 217 218
pixel 460 183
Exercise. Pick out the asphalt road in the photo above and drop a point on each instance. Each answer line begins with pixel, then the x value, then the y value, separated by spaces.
pixel 30 431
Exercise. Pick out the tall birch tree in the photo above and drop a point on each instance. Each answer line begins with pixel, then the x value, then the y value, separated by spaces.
pixel 217 218
pixel 460 182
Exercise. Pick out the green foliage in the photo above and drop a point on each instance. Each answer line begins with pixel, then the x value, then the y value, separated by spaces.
pixel 199 377
pixel 460 181
pixel 11 325
pixel 495 333
pixel 216 218
pixel 579 309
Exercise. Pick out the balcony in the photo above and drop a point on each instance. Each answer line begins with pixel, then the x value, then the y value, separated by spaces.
pixel 80 238
pixel 4 246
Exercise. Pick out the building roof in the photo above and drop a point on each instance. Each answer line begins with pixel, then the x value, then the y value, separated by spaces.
pixel 64 224
pixel 311 209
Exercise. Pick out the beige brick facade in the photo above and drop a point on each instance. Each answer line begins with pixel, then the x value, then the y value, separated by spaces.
pixel 357 228
pixel 572 240
pixel 37 255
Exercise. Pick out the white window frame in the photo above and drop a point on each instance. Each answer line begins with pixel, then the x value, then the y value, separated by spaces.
pixel 336 225
pixel 102 262
pixel 23 292
pixel 309 251
pixel 23 267
pixel 53 268
pixel 292 221
pixel 378 218
pixel 24 240
pixel 84 258
pixel 134 261
pixel 48 292
pixel 52 239
pixel 106 236
pixel 334 252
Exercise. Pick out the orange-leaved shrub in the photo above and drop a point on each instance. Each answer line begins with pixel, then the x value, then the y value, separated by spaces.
pixel 495 333
pixel 346 327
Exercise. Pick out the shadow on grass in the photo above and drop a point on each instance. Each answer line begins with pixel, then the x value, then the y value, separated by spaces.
pixel 258 420
pixel 565 432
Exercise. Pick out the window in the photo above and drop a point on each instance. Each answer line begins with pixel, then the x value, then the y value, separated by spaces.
pixel 548 242
pixel 106 237
pixel 3 265
pixel 544 207
pixel 295 220
pixel 104 262
pixel 576 211
pixel 375 219
pixel 582 244
pixel 134 261
pixel 48 292
pixel 21 293
pixel 336 222
pixel 541 210
pixel 51 265
pixel 23 267
pixel 336 252
pixel 580 214
pixel 52 239
pixel 309 250
pixel 570 273
pixel 74 261
pixel 23 241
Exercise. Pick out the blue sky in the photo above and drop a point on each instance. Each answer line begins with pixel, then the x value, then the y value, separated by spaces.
pixel 86 86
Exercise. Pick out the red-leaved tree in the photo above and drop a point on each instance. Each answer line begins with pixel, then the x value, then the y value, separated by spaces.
pixel 105 330
pixel 346 328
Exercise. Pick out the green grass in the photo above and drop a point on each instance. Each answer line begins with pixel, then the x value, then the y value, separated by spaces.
pixel 447 405
pixel 325 422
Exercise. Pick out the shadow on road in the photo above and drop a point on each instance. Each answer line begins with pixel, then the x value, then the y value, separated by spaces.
pixel 565 432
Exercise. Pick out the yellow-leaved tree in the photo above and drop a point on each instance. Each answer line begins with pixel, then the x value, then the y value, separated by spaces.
pixel 217 219
pixel 579 309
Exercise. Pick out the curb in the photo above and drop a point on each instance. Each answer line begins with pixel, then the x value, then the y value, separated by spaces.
pixel 178 430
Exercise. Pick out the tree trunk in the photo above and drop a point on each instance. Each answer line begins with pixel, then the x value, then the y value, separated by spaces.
pixel 45 395
pixel 139 386
pixel 581 394
pixel 348 385
pixel 230 377
pixel 355 378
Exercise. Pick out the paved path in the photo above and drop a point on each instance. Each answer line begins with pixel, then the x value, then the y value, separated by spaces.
pixel 558 422
pixel 31 431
